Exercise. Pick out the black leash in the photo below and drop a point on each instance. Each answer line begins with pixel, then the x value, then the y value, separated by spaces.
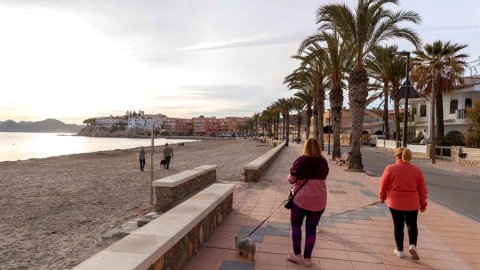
pixel 267 218
pixel 375 203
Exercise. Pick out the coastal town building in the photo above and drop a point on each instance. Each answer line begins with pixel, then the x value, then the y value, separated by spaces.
pixel 144 122
pixel 198 126
pixel 111 120
pixel 454 109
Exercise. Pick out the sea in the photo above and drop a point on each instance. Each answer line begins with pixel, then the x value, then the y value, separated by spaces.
pixel 22 146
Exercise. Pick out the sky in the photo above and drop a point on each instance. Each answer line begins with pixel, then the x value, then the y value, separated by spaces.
pixel 76 59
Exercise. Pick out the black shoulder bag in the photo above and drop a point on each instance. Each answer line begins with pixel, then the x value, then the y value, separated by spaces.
pixel 290 197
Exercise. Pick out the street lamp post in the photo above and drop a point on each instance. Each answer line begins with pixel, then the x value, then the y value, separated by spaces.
pixel 407 90
pixel 329 129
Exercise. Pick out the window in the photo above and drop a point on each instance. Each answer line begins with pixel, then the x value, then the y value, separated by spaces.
pixel 453 106
pixel 468 103
pixel 423 110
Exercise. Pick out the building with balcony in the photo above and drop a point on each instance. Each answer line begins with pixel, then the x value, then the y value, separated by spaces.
pixel 454 109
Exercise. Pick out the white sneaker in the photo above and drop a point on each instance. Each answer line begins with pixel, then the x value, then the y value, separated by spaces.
pixel 413 250
pixel 399 254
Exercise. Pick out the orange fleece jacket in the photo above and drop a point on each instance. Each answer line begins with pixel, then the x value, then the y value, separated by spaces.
pixel 404 186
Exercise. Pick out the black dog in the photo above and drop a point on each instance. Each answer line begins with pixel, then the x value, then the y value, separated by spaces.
pixel 163 163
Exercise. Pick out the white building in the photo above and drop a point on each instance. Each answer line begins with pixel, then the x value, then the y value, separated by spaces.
pixel 144 122
pixel 454 108
pixel 110 121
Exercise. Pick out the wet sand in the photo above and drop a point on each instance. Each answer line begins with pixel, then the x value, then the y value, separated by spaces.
pixel 54 210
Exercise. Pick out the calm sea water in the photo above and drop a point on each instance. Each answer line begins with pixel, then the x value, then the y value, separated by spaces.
pixel 15 146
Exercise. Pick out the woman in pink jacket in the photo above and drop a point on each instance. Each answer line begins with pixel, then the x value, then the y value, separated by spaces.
pixel 311 200
pixel 403 186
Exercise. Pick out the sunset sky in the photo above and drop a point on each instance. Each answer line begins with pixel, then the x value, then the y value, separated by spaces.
pixel 71 60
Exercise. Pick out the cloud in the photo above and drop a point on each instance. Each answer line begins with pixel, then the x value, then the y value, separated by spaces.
pixel 247 41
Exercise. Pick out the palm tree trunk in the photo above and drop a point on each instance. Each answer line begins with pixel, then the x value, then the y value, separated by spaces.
pixel 320 110
pixel 315 120
pixel 299 124
pixel 385 113
pixel 439 113
pixel 357 95
pixel 336 103
pixel 308 122
pixel 287 126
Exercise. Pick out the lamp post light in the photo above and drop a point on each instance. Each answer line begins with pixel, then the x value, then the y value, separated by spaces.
pixel 406 87
pixel 329 129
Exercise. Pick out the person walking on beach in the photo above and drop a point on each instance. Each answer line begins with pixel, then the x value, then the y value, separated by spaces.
pixel 310 169
pixel 403 186
pixel 141 158
pixel 167 155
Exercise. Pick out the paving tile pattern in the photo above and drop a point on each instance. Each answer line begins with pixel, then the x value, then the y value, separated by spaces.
pixel 361 238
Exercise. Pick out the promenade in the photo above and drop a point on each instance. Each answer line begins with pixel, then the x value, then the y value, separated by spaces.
pixel 361 239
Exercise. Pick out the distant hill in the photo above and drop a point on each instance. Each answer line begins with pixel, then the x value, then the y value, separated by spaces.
pixel 47 126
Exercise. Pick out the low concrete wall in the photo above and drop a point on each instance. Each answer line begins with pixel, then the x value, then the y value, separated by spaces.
pixel 170 190
pixel 418 150
pixel 171 240
pixel 388 145
pixel 255 169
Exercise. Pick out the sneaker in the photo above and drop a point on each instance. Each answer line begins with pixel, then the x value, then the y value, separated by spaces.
pixel 307 262
pixel 413 250
pixel 294 258
pixel 399 254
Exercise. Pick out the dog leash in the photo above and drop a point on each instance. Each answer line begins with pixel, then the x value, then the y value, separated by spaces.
pixel 267 218
pixel 375 203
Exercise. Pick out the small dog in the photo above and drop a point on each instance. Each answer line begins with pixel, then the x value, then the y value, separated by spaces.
pixel 245 247
pixel 163 163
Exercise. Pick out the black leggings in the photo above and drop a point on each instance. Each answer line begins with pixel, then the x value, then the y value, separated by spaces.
pixel 399 219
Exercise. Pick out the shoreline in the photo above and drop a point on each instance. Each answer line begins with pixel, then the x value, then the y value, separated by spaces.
pixel 54 210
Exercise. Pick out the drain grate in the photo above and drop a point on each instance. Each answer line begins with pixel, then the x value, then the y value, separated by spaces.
pixel 336 191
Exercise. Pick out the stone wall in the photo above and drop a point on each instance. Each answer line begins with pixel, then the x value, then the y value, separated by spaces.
pixel 184 250
pixel 469 159
pixel 252 172
pixel 168 197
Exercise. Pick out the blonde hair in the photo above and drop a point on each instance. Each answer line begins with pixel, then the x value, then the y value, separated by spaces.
pixel 404 153
pixel 312 148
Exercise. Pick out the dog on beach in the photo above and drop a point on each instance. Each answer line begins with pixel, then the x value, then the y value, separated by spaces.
pixel 245 247
pixel 163 163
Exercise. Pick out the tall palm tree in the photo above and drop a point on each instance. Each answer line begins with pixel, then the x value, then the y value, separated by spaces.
pixel 337 58
pixel 380 65
pixel 313 59
pixel 285 105
pixel 256 117
pixel 298 105
pixel 307 97
pixel 363 28
pixel 445 63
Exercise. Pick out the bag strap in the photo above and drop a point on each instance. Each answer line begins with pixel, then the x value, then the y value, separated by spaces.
pixel 294 194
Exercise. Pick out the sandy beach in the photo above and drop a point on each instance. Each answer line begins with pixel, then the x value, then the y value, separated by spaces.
pixel 54 210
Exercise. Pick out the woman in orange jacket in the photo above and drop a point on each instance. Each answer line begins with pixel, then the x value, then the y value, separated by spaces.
pixel 403 186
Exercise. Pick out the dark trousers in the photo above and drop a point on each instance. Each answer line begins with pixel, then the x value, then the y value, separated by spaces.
pixel 399 219
pixel 142 164
pixel 168 162
pixel 297 214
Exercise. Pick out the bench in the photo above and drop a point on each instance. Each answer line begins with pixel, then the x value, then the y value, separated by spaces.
pixel 172 189
pixel 171 240
pixel 253 170
pixel 343 159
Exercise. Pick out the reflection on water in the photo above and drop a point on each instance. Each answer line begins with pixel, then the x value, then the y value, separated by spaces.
pixel 15 145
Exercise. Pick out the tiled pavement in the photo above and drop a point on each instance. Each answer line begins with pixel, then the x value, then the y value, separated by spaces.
pixel 360 239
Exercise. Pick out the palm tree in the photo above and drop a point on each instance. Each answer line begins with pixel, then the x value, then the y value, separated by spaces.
pixel 313 60
pixel 381 66
pixel 307 98
pixel 439 66
pixel 337 58
pixel 363 28
pixel 285 106
pixel 298 105
pixel 255 118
